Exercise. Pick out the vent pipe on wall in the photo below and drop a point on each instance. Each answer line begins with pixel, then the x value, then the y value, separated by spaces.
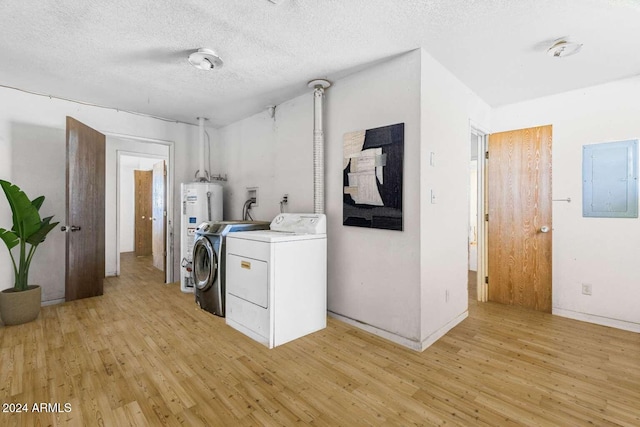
pixel 318 86
pixel 202 174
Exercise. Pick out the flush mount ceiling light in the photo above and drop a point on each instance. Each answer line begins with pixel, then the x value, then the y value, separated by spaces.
pixel 563 47
pixel 205 59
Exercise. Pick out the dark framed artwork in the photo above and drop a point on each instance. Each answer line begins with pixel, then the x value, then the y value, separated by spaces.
pixel 372 177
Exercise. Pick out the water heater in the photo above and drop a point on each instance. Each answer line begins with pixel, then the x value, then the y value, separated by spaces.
pixel 201 202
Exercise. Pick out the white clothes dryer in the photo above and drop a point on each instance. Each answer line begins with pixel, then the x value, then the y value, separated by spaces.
pixel 276 280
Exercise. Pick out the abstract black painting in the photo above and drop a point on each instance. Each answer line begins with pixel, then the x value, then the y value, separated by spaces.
pixel 372 177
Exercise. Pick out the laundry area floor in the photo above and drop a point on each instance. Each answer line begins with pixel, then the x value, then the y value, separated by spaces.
pixel 143 354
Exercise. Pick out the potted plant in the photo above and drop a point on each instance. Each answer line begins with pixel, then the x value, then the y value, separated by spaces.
pixel 21 303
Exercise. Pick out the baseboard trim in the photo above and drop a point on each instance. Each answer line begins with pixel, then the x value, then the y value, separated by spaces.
pixel 598 320
pixel 426 343
pixel 52 302
pixel 399 339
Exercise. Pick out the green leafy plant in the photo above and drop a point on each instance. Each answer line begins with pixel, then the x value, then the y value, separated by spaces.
pixel 28 229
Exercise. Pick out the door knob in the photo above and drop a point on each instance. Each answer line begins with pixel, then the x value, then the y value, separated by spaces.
pixel 544 229
pixel 66 228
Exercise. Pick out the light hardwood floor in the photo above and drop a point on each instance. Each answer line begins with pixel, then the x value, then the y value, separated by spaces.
pixel 144 354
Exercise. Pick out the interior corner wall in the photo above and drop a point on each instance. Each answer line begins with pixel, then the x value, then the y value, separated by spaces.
pixel 602 252
pixel 274 154
pixel 447 108
pixel 40 122
pixel 374 274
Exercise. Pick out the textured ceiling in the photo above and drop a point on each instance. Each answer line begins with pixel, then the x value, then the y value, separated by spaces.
pixel 132 55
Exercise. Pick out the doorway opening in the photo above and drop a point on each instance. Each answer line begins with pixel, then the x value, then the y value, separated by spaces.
pixel 124 154
pixel 477 208
pixel 138 230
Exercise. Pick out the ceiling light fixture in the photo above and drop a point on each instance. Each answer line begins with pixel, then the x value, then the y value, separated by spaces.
pixel 205 59
pixel 563 47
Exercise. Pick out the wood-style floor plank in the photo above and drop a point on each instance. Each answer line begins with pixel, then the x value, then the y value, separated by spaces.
pixel 144 354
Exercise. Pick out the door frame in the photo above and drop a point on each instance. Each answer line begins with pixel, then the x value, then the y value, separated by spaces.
pixel 481 285
pixel 170 162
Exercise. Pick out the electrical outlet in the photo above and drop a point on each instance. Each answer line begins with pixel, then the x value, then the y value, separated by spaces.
pixel 252 193
pixel 586 289
pixel 446 295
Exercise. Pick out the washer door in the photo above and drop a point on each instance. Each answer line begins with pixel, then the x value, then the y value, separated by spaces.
pixel 205 264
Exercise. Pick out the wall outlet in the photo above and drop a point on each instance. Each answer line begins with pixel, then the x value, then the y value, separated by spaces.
pixel 252 193
pixel 446 295
pixel 586 289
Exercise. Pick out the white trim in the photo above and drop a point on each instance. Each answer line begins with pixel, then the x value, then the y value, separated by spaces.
pixel 478 129
pixel 139 138
pixel 52 302
pixel 406 342
pixel 598 320
pixel 443 330
pixel 398 339
pixel 482 287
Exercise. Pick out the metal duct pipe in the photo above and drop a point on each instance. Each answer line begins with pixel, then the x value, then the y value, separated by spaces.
pixel 318 86
pixel 202 174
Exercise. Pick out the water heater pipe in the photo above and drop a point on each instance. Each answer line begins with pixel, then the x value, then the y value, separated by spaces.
pixel 318 86
pixel 202 173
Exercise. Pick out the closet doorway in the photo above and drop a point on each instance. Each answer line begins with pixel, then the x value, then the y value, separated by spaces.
pixel 124 155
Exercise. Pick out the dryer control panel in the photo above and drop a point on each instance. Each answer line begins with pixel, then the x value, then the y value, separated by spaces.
pixel 300 223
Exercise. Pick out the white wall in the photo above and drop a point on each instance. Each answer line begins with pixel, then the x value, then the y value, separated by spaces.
pixel 38 149
pixel 375 278
pixel 447 108
pixel 273 154
pixel 374 274
pixel 127 210
pixel 600 251
pixel 27 119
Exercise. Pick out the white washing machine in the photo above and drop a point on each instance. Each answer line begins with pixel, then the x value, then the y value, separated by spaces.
pixel 276 280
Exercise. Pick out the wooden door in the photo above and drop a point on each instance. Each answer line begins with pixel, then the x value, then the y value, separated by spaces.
pixel 519 226
pixel 159 215
pixel 85 247
pixel 143 212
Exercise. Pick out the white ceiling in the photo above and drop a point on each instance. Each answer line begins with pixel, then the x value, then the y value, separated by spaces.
pixel 132 55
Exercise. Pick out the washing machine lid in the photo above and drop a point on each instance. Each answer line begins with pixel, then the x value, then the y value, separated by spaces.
pixel 272 236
